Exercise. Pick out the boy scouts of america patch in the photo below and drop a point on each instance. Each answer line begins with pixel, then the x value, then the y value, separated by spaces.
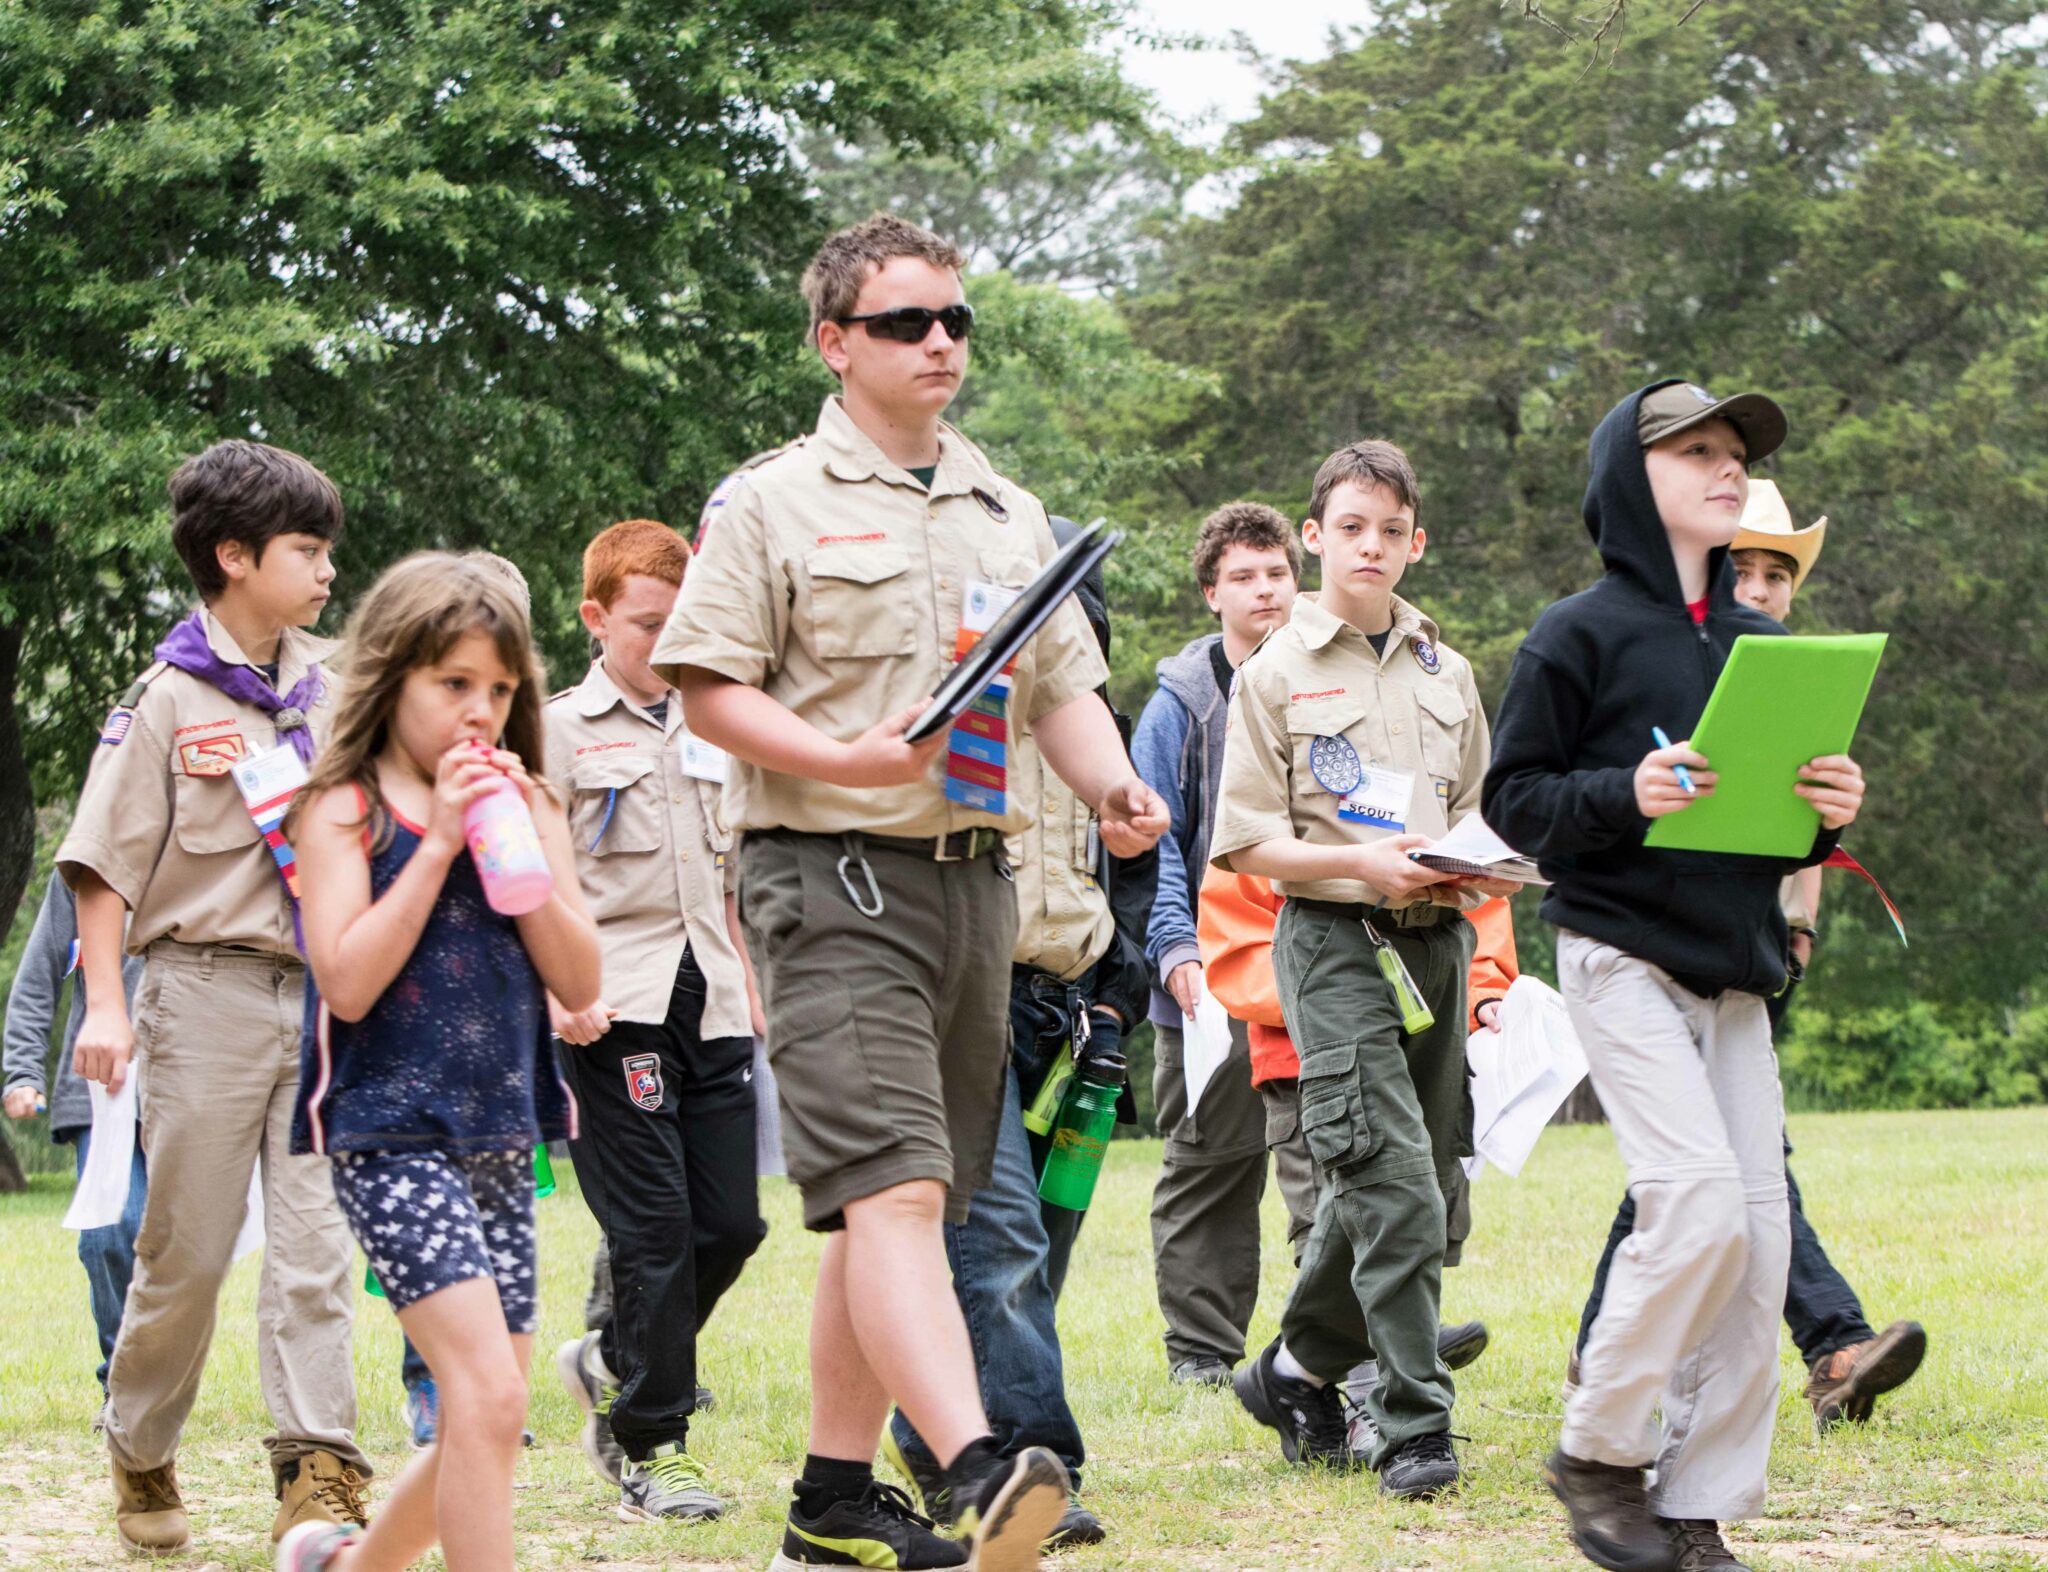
pixel 643 1080
pixel 1425 655
pixel 990 506
pixel 1334 763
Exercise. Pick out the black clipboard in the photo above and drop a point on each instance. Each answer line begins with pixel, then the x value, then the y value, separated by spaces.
pixel 1010 632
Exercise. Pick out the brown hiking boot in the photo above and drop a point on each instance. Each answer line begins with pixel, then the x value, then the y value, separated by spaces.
pixel 1612 1523
pixel 149 1514
pixel 318 1488
pixel 1700 1546
pixel 1846 1384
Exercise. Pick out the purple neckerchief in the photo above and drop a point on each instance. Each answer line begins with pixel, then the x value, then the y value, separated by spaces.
pixel 186 647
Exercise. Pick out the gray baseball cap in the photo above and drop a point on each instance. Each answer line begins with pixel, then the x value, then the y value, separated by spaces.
pixel 1677 405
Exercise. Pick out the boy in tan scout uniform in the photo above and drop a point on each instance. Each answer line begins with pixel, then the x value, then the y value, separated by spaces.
pixel 660 1064
pixel 834 583
pixel 164 830
pixel 1355 738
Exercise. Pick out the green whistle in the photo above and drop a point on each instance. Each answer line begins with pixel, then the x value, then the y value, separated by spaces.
pixel 1052 1091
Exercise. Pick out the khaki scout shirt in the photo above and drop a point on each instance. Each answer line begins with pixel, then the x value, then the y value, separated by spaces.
pixel 162 821
pixel 650 855
pixel 1318 677
pixel 1064 924
pixel 827 577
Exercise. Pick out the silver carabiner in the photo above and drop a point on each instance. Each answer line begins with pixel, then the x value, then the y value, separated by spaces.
pixel 852 894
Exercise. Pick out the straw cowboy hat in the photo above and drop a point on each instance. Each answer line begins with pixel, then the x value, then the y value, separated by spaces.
pixel 1766 525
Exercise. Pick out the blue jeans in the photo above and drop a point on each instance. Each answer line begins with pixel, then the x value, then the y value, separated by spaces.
pixel 108 1255
pixel 999 1258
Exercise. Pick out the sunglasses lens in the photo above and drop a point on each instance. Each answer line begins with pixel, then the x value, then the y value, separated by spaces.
pixel 911 324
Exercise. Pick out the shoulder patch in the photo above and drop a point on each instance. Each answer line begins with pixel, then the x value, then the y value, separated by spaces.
pixel 722 492
pixel 122 716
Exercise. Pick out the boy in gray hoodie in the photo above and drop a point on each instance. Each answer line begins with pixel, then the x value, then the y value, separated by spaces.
pixel 1205 1209
pixel 107 1254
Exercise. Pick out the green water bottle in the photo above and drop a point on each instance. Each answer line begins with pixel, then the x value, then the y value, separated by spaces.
pixel 543 1173
pixel 1080 1136
pixel 1052 1091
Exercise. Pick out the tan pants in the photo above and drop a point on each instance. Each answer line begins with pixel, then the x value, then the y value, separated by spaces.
pixel 1689 1323
pixel 217 1045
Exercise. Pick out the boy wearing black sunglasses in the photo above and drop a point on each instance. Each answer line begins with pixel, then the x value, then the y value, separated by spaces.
pixel 835 581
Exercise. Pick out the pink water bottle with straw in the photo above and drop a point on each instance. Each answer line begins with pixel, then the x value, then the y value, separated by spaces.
pixel 507 849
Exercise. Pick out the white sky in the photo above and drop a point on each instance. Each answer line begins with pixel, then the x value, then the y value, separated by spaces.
pixel 1217 82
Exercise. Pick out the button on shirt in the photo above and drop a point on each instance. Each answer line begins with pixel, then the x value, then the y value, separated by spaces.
pixel 650 855
pixel 826 576
pixel 161 819
pixel 1319 677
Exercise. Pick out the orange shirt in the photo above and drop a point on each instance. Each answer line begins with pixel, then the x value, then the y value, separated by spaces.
pixel 1234 925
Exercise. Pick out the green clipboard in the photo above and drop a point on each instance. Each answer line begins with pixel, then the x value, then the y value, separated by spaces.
pixel 1779 702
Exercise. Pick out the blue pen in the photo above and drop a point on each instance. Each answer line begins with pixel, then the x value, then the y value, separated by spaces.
pixel 1684 775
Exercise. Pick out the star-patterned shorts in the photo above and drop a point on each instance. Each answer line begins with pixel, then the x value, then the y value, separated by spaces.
pixel 428 1220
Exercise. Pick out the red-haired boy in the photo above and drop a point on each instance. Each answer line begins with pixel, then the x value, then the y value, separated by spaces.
pixel 661 1063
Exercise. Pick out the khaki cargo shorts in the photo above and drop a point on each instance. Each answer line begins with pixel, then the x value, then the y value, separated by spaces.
pixel 888 1033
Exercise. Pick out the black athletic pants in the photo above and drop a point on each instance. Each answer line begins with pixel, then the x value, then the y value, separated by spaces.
pixel 665 1159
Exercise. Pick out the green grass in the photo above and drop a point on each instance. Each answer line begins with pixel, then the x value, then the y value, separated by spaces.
pixel 1938 1216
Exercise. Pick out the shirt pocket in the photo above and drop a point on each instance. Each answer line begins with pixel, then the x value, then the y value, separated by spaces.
pixel 615 807
pixel 1338 765
pixel 1440 717
pixel 209 816
pixel 859 602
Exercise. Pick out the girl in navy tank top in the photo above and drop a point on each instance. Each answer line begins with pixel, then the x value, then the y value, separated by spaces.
pixel 427 1074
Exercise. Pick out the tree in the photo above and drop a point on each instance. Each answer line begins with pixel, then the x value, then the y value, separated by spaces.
pixel 1455 236
pixel 506 272
pixel 1082 206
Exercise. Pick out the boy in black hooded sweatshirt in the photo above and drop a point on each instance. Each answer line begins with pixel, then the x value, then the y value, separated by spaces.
pixel 1665 959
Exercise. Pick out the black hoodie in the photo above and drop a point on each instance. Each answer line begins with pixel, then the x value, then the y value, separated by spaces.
pixel 1595 674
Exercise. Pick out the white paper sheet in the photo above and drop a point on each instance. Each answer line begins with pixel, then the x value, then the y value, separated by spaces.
pixel 1205 1044
pixel 102 1193
pixel 767 1116
pixel 1521 1074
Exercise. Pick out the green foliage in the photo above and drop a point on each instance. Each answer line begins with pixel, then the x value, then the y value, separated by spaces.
pixel 506 273
pixel 1454 235
pixel 1915 1056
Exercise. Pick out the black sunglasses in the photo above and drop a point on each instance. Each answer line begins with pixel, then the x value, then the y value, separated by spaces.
pixel 910 324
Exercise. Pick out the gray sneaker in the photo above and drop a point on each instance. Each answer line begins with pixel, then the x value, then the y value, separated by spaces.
pixel 591 1387
pixel 668 1483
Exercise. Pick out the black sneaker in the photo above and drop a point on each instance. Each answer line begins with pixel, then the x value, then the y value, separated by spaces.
pixel 878 1528
pixel 1699 1546
pixel 1013 1510
pixel 1612 1523
pixel 1310 1418
pixel 1202 1370
pixel 1457 1346
pixel 1078 1527
pixel 1420 1468
pixel 929 1492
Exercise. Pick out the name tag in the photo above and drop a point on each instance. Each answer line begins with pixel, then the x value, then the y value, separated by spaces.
pixel 268 781
pixel 701 761
pixel 1380 799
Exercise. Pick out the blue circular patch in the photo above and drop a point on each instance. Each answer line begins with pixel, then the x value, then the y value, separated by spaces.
pixel 1334 763
pixel 1426 655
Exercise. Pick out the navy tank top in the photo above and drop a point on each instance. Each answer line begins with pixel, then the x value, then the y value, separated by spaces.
pixel 455 1055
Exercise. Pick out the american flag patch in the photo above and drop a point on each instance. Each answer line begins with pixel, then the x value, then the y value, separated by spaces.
pixel 115 732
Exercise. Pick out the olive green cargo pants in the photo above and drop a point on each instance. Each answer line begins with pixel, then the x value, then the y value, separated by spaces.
pixel 1386 1117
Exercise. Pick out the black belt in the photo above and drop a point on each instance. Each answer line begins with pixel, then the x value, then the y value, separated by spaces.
pixel 960 846
pixel 1425 914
